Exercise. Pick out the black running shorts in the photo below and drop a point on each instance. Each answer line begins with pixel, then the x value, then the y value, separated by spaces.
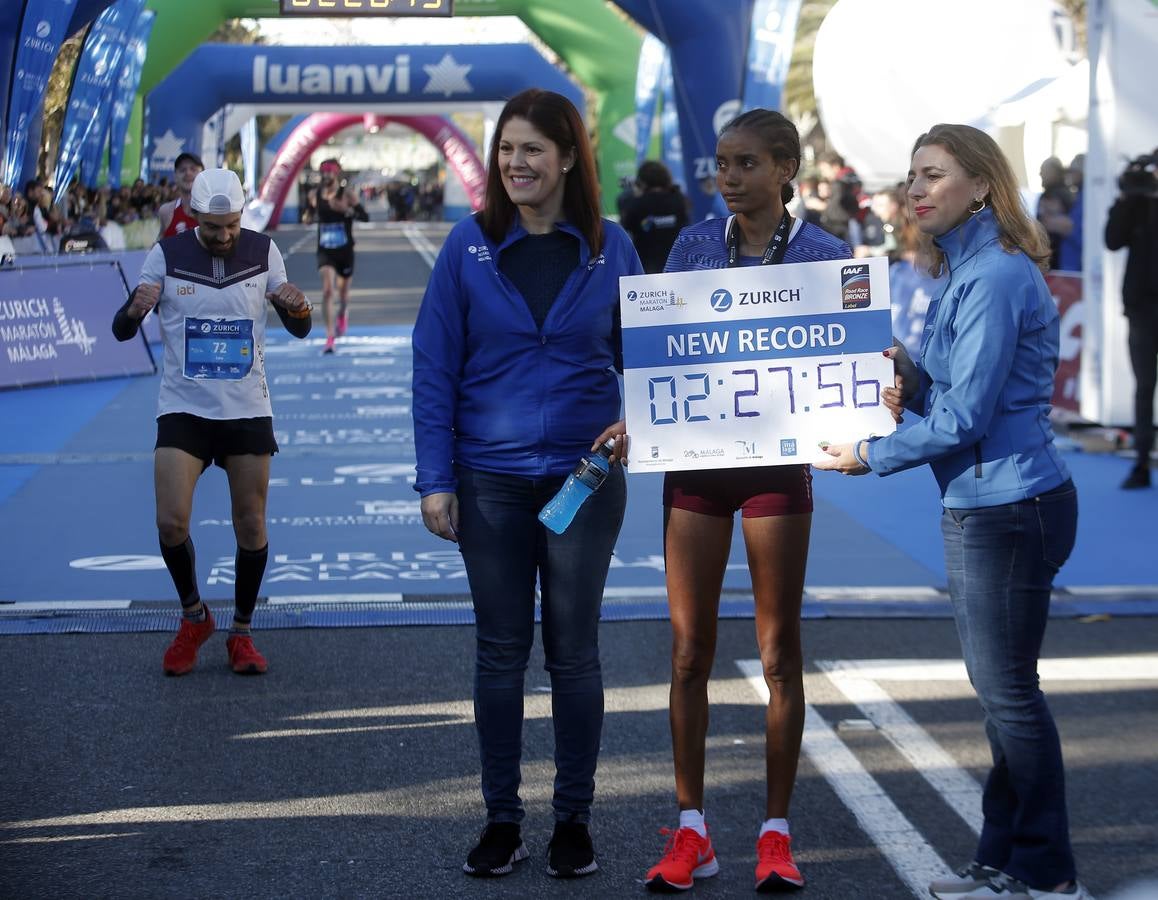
pixel 213 440
pixel 341 259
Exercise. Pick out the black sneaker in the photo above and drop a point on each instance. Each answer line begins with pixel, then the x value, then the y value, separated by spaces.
pixel 570 853
pixel 1139 477
pixel 498 849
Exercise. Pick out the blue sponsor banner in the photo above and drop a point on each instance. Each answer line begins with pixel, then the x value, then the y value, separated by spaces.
pixel 737 340
pixel 706 39
pixel 652 59
pixel 772 35
pixel 10 16
pixel 125 92
pixel 55 326
pixel 98 67
pixel 669 127
pixel 43 31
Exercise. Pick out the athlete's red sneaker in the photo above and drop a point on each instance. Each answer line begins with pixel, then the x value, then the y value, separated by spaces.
pixel 243 656
pixel 686 857
pixel 775 870
pixel 342 323
pixel 181 656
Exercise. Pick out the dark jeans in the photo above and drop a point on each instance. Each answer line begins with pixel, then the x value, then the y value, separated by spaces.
pixel 505 547
pixel 1143 338
pixel 1001 563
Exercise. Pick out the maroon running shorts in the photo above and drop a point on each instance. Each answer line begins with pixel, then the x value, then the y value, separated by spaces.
pixel 758 492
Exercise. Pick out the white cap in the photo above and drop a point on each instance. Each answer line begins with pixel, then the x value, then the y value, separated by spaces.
pixel 217 191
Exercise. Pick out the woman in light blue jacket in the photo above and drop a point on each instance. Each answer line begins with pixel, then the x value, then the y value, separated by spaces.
pixel 983 386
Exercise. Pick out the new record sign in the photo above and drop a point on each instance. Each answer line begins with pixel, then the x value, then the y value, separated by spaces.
pixel 343 8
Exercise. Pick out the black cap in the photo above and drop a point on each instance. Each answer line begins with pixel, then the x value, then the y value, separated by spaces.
pixel 192 157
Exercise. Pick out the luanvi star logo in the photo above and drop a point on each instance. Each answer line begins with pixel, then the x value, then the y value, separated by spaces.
pixel 448 78
pixel 166 149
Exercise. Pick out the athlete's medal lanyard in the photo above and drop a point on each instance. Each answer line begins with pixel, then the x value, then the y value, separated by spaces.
pixel 773 253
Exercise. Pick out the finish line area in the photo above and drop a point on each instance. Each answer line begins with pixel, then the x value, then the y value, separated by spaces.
pixel 347 544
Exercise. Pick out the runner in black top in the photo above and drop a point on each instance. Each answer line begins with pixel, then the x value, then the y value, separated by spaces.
pixel 335 207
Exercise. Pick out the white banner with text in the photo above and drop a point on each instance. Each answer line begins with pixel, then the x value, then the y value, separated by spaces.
pixel 754 366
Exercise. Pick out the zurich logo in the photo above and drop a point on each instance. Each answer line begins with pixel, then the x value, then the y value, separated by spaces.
pixel 721 300
pixel 206 327
pixel 631 295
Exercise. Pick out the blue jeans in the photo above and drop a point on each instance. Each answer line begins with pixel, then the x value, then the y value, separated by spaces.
pixel 505 548
pixel 1001 562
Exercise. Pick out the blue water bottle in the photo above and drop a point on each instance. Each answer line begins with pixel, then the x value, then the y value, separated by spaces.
pixel 587 478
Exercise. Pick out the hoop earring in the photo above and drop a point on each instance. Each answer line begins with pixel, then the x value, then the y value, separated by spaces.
pixel 981 206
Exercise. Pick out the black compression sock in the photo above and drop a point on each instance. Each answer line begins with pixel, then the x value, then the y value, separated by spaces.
pixel 249 568
pixel 181 561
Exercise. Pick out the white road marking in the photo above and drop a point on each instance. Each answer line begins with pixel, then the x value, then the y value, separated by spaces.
pixel 310 599
pixel 858 680
pixel 1137 667
pixel 907 851
pixel 421 243
pixel 960 790
pixel 299 243
pixel 63 605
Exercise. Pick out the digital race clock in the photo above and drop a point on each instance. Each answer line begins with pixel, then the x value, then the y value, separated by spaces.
pixel 344 8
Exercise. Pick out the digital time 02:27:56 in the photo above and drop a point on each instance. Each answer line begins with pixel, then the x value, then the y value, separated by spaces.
pixel 828 390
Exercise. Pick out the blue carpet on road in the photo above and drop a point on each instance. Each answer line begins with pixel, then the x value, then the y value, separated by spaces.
pixel 346 539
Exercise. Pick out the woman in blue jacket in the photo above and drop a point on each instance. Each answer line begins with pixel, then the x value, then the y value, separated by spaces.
pixel 516 347
pixel 988 356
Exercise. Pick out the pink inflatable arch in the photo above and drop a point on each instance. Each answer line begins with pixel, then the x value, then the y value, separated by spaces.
pixel 264 212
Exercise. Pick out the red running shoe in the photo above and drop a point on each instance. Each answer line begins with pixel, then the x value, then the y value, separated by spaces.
pixel 775 870
pixel 342 323
pixel 243 656
pixel 686 857
pixel 182 653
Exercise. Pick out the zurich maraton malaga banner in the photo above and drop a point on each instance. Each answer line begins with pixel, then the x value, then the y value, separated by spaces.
pixel 41 34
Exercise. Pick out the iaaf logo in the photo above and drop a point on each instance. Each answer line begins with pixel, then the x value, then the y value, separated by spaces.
pixel 854 287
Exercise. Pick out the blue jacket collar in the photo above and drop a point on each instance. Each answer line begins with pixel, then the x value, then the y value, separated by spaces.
pixel 967 238
pixel 517 231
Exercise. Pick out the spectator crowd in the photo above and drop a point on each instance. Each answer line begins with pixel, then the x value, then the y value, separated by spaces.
pixel 33 222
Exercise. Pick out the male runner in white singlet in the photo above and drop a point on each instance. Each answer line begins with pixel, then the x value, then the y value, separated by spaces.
pixel 212 286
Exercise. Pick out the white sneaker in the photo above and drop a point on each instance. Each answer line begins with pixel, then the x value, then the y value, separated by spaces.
pixel 1077 892
pixel 1003 887
pixel 967 878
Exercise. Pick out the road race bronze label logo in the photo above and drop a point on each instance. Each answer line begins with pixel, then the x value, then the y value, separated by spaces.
pixel 854 287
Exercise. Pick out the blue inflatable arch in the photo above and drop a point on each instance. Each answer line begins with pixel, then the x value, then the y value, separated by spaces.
pixel 421 80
